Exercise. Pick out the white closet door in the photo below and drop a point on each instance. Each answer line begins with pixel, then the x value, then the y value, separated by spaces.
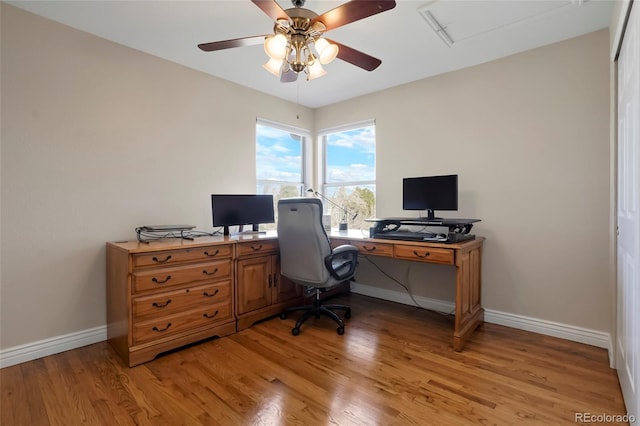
pixel 628 333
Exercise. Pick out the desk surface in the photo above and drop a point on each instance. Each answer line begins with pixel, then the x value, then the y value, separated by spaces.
pixel 359 235
pixel 134 245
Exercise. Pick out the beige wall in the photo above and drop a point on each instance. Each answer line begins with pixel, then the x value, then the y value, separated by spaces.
pixel 529 137
pixel 98 139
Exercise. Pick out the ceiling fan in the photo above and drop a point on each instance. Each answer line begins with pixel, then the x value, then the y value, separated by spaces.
pixel 297 43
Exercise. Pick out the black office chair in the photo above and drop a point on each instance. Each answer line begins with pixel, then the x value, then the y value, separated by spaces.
pixel 307 259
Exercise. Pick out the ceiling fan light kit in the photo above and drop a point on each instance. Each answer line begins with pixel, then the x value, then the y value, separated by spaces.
pixel 297 44
pixel 298 52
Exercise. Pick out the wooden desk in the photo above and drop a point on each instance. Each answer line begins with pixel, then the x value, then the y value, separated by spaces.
pixel 168 293
pixel 466 256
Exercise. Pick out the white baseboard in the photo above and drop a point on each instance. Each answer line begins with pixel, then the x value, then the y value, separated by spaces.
pixel 54 345
pixel 549 328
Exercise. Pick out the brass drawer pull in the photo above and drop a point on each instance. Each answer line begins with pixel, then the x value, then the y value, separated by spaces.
pixel 369 249
pixel 256 248
pixel 155 259
pixel 210 273
pixel 211 295
pixel 421 255
pixel 206 253
pixel 161 329
pixel 161 305
pixel 157 281
pixel 206 315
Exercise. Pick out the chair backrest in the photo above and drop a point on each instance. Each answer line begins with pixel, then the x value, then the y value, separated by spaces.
pixel 304 244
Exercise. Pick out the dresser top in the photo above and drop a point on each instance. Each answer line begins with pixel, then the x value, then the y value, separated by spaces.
pixel 135 246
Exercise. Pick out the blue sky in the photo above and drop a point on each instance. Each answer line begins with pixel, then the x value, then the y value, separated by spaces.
pixel 278 155
pixel 350 155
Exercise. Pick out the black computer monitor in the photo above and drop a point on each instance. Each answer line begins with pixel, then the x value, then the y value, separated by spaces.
pixel 241 209
pixel 430 193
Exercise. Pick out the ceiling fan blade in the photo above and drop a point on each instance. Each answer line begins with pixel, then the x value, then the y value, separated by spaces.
pixel 288 76
pixel 272 9
pixel 352 11
pixel 236 42
pixel 356 57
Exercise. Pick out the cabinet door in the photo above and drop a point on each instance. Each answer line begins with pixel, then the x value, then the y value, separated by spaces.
pixel 254 283
pixel 283 289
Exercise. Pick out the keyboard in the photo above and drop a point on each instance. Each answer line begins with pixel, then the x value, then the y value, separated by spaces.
pixel 411 236
pixel 424 236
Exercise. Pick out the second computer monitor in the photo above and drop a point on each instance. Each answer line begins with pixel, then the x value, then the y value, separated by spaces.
pixel 430 193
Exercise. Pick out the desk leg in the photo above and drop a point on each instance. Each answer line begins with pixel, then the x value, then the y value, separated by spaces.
pixel 469 311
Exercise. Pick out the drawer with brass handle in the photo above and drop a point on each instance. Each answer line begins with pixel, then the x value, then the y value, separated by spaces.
pixel 425 254
pixel 170 257
pixel 160 278
pixel 374 249
pixel 169 302
pixel 257 247
pixel 157 328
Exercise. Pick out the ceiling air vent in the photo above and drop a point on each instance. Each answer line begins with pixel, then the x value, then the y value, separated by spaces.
pixel 436 27
pixel 458 21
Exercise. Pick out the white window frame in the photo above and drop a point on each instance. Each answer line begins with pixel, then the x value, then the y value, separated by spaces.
pixel 322 163
pixel 307 162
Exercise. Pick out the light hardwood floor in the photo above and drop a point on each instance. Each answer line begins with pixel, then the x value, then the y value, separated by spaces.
pixel 393 366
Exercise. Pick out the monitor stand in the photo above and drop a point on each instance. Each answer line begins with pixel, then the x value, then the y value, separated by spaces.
pixel 255 230
pixel 431 215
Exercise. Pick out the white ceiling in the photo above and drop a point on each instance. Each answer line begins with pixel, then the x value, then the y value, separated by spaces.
pixel 410 50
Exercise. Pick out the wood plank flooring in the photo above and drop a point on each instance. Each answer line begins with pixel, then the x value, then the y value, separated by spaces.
pixel 393 366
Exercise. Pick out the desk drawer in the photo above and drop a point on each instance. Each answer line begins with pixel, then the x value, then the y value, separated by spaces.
pixel 169 277
pixel 169 257
pixel 425 254
pixel 373 249
pixel 153 329
pixel 257 247
pixel 170 302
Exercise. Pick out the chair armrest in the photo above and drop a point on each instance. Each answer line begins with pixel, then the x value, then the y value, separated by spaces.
pixel 344 255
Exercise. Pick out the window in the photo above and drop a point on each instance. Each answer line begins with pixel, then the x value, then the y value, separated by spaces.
pixel 349 172
pixel 281 161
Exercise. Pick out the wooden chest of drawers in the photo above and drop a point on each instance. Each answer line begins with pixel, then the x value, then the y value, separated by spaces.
pixel 165 294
